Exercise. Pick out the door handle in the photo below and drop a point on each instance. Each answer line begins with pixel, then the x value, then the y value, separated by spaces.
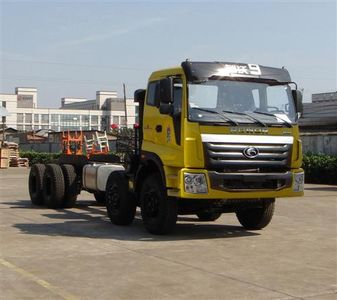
pixel 159 128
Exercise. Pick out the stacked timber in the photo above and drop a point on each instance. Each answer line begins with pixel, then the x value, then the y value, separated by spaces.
pixel 4 156
pixel 13 157
pixel 19 162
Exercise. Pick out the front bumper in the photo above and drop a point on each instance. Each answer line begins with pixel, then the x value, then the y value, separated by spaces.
pixel 234 182
pixel 244 185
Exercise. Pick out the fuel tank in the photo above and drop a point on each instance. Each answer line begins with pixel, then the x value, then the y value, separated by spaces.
pixel 95 176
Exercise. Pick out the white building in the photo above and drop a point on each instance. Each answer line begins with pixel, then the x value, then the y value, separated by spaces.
pixel 74 114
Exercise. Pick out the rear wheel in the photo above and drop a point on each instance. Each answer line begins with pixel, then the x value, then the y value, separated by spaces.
pixel 53 186
pixel 120 203
pixel 255 218
pixel 70 185
pixel 35 184
pixel 208 216
pixel 159 212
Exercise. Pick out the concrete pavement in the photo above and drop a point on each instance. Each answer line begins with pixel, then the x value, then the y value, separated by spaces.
pixel 78 254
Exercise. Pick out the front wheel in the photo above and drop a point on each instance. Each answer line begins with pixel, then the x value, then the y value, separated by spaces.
pixel 256 218
pixel 120 203
pixel 159 212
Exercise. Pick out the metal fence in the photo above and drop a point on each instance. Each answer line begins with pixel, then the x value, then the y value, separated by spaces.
pixel 325 143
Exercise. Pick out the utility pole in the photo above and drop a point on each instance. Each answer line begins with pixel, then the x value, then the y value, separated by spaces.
pixel 125 110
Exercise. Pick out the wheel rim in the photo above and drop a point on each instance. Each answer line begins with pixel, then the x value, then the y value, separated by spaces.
pixel 113 198
pixel 151 203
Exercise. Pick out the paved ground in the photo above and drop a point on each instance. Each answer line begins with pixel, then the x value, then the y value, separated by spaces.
pixel 77 254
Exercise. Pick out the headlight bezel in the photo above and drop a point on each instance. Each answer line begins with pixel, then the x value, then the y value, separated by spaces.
pixel 195 183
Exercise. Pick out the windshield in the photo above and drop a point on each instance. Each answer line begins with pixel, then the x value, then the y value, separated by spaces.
pixel 241 102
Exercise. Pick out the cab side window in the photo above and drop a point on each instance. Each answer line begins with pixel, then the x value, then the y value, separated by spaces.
pixel 152 98
pixel 177 97
pixel 177 102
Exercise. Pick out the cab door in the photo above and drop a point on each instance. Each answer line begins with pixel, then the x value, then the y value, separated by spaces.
pixel 151 110
pixel 163 131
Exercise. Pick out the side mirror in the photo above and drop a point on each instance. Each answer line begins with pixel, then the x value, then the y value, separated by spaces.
pixel 297 95
pixel 165 108
pixel 139 95
pixel 166 90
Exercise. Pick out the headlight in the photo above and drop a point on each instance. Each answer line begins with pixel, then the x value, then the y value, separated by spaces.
pixel 195 183
pixel 298 184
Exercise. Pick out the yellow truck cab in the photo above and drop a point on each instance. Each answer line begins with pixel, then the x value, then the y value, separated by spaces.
pixel 220 137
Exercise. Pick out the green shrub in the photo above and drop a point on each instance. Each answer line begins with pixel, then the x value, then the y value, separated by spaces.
pixel 39 157
pixel 320 168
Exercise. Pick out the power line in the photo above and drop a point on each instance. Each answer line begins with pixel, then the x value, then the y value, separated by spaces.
pixel 65 80
pixel 78 65
pixel 316 78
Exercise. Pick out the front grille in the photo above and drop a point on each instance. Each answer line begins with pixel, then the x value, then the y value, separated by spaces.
pixel 220 155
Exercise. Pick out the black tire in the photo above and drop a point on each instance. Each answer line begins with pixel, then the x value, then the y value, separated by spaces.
pixel 35 184
pixel 120 203
pixel 159 212
pixel 208 216
pixel 100 198
pixel 70 185
pixel 256 218
pixel 53 186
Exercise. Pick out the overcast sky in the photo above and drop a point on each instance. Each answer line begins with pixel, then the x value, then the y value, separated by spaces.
pixel 74 48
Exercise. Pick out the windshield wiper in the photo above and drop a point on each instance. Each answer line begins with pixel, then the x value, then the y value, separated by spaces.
pixel 248 115
pixel 273 115
pixel 221 115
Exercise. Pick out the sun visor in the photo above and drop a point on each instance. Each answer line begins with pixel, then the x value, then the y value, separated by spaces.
pixel 201 71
